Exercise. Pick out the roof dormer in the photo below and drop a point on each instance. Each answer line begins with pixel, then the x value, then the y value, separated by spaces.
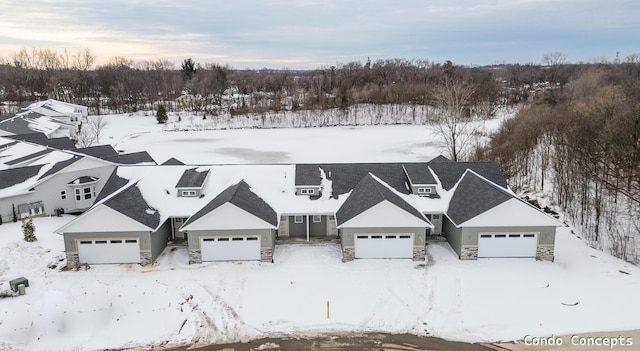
pixel 191 182
pixel 421 181
pixel 308 180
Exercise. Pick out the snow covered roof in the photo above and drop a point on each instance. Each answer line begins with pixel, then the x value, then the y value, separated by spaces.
pixel 132 204
pixel 368 193
pixel 239 194
pixel 14 176
pixel 346 190
pixel 192 178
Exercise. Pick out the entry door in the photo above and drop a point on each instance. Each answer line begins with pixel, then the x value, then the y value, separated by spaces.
pixel 383 245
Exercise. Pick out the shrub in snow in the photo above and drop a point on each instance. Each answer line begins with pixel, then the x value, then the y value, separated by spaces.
pixel 15 216
pixel 161 114
pixel 29 230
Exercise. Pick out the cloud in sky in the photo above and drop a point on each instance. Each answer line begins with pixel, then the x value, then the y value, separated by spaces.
pixel 311 33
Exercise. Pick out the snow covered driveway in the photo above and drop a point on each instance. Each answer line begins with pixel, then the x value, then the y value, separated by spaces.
pixel 173 303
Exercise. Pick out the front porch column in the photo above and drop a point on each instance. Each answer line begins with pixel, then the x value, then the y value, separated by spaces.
pixel 308 224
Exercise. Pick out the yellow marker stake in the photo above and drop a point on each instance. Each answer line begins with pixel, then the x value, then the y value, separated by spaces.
pixel 328 314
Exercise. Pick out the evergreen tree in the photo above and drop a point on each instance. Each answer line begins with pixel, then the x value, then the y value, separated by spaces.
pixel 29 230
pixel 15 215
pixel 188 69
pixel 161 114
pixel 0 218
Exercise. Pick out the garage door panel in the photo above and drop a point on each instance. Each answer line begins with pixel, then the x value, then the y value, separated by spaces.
pixel 230 248
pixel 383 246
pixel 97 251
pixel 507 245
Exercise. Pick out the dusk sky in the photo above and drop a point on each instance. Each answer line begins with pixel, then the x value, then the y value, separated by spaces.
pixel 310 34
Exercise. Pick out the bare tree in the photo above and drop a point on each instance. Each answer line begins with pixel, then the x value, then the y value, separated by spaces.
pixel 453 121
pixel 97 125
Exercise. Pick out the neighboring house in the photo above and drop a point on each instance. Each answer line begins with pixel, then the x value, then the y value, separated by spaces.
pixel 38 180
pixel 51 117
pixel 377 210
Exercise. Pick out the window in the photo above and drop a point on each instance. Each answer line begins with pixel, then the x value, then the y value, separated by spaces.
pixel 131 241
pixel 435 216
pixel 178 220
pixel 209 239
pixel 528 235
pixel 405 236
pixel 307 191
pixel 500 236
pixel 376 237
pixel 116 241
pixel 424 190
pixel 514 235
pixel 188 193
pixel 87 193
pixel 84 242
pixel 101 241
pixel 485 235
pixel 237 239
pixel 298 219
pixel 389 236
pixel 252 238
pixel 63 195
pixel 317 219
pixel 223 239
pixel 78 198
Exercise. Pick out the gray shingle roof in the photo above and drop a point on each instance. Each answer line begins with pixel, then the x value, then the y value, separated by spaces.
pixel 418 173
pixel 173 162
pixel 440 158
pixel 307 174
pixel 62 143
pixel 130 203
pixel 240 194
pixel 60 165
pixel 113 184
pixel 450 172
pixel 12 176
pixel 132 158
pixel 28 157
pixel 191 178
pixel 474 196
pixel 368 193
pixel 345 176
pixel 18 126
pixel 99 151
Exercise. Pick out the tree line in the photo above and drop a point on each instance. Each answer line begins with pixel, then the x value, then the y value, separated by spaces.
pixel 124 85
pixel 580 144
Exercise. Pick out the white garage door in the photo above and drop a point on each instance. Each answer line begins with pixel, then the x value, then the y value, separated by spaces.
pixel 383 245
pixel 507 245
pixel 237 248
pixel 96 251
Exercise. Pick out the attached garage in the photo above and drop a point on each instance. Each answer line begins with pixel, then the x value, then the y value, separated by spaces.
pixel 507 244
pixel 392 245
pixel 235 248
pixel 117 250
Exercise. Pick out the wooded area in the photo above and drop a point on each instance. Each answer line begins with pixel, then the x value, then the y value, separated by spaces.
pixel 580 143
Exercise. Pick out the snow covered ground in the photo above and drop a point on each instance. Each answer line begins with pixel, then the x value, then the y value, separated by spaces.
pixel 172 303
pixel 388 143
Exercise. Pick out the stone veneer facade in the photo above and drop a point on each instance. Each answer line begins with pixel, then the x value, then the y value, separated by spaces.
pixel 545 252
pixel 73 260
pixel 348 254
pixel 469 253
pixel 195 256
pixel 266 254
pixel 146 258
pixel 419 253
